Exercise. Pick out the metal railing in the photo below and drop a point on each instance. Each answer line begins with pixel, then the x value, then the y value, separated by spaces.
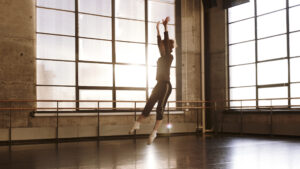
pixel 199 109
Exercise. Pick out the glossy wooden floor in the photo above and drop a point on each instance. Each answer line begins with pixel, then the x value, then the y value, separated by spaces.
pixel 180 152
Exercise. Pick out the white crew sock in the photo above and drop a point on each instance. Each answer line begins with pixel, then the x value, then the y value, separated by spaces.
pixel 135 126
pixel 152 137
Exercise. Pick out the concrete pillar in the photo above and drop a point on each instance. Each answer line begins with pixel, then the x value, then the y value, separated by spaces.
pixel 191 55
pixel 191 49
pixel 216 71
pixel 17 55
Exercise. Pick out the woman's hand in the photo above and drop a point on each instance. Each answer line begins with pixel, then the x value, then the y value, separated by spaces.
pixel 165 22
pixel 157 27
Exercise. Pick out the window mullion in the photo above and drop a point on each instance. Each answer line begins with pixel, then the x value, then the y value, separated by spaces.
pixel 146 48
pixel 288 50
pixel 76 51
pixel 256 50
pixel 113 50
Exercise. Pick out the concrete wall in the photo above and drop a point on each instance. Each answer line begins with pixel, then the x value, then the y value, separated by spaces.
pixel 18 79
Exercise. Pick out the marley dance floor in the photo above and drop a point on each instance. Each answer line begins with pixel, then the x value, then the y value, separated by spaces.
pixel 177 152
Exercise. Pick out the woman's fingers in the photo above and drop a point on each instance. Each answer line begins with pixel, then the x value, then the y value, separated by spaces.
pixel 167 19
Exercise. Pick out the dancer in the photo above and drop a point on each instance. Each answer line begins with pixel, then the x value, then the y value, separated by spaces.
pixel 163 88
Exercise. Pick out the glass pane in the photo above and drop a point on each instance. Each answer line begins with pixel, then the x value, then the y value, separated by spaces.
pixel 130 53
pixel 272 93
pixel 294 18
pixel 242 75
pixel 130 76
pixel 272 48
pixel 271 24
pixel 295 93
pixel 152 76
pixel 130 95
pixel 294 2
pixel 133 9
pixel 55 73
pixel 174 58
pixel 172 97
pixel 153 54
pixel 272 72
pixel 244 93
pixel 93 74
pixel 95 50
pixel 57 22
pixel 157 11
pixel 265 6
pixel 152 33
pixel 295 69
pixel 58 4
pixel 242 53
pixel 128 30
pixel 237 105
pixel 102 7
pixel 241 11
pixel 294 44
pixel 95 95
pixel 55 47
pixel 295 103
pixel 55 93
pixel 165 1
pixel 241 31
pixel 94 26
pixel 173 77
pixel 295 90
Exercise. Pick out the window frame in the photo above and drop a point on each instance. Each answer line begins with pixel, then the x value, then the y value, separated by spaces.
pixel 255 40
pixel 113 42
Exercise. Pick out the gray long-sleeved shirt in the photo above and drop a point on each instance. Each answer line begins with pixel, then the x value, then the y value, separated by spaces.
pixel 165 60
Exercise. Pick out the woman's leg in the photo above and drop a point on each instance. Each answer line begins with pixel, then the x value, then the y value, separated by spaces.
pixel 148 107
pixel 141 118
pixel 154 131
pixel 166 91
pixel 157 125
pixel 136 124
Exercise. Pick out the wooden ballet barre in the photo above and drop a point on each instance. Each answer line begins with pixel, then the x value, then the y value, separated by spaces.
pixel 90 108
pixel 266 107
pixel 269 99
pixel 189 101
pixel 112 101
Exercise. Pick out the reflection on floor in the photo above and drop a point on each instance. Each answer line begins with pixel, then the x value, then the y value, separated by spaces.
pixel 178 152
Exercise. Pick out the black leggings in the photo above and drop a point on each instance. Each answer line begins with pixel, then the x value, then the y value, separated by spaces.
pixel 160 93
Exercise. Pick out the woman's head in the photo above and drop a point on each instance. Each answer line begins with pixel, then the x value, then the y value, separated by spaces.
pixel 172 44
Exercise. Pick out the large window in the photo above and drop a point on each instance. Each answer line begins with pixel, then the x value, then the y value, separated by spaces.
pixel 264 55
pixel 99 50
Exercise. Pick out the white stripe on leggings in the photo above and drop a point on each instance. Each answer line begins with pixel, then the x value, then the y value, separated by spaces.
pixel 165 97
